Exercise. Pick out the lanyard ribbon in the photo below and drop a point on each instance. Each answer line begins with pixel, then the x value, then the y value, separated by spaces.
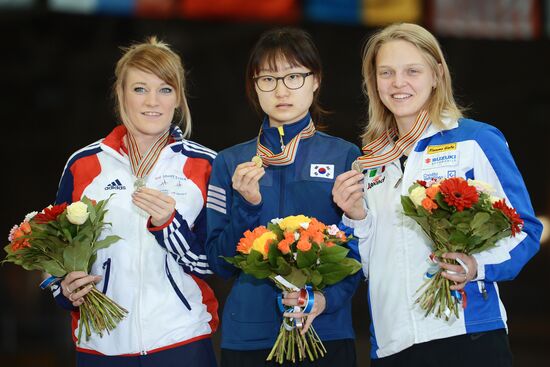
pixel 306 299
pixel 372 152
pixel 288 153
pixel 142 165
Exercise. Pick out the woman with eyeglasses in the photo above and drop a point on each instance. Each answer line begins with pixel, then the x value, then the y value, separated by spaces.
pixel 294 176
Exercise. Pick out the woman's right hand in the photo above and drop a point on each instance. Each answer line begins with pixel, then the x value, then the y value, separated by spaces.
pixel 347 193
pixel 73 281
pixel 246 181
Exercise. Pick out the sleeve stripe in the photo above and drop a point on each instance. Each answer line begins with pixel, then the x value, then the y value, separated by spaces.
pixel 207 152
pixel 217 189
pixel 216 202
pixel 216 208
pixel 216 195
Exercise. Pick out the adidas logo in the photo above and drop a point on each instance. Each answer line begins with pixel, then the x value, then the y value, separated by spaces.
pixel 115 185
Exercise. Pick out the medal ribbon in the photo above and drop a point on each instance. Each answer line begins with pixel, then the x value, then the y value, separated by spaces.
pixel 288 153
pixel 142 165
pixel 372 156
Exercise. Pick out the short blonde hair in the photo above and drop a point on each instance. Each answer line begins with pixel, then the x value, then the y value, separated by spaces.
pixel 442 102
pixel 156 57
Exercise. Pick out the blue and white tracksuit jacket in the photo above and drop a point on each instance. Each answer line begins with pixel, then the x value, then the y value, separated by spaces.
pixel 153 272
pixel 251 318
pixel 394 250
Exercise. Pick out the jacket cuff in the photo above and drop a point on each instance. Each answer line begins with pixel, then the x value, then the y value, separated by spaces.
pixel 360 227
pixel 480 268
pixel 153 228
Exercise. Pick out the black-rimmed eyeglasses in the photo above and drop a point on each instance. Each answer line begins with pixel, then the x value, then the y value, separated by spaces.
pixel 268 83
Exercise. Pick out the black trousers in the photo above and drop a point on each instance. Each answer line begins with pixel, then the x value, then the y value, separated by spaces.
pixel 340 353
pixel 486 349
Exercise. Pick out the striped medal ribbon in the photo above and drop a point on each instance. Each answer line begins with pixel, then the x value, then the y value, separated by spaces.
pixel 142 165
pixel 288 153
pixel 372 156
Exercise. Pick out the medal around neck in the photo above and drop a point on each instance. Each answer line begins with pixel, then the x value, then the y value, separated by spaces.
pixel 257 160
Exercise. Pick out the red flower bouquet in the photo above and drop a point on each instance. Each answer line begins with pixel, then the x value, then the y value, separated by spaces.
pixel 62 239
pixel 458 216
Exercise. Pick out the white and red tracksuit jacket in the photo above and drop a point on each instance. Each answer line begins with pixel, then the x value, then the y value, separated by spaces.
pixel 153 272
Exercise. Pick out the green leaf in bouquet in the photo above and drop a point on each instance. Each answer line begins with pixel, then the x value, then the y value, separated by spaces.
pixel 305 259
pixel 353 265
pixel 276 229
pixel 463 227
pixel 273 254
pixel 460 217
pixel 480 219
pixel 408 206
pixel 235 259
pixel 282 267
pixel 104 243
pixel 332 254
pixel 491 242
pixel 53 267
pixel 458 238
pixel 297 277
pixel 257 266
pixel 441 203
pixel 333 272
pixel 91 208
pixel 316 278
pixel 440 235
pixel 76 257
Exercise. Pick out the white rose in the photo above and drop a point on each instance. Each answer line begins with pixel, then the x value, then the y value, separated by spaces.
pixel 494 199
pixel 417 195
pixel 482 186
pixel 77 213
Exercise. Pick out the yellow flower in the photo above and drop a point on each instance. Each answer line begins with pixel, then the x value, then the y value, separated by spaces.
pixel 293 222
pixel 261 243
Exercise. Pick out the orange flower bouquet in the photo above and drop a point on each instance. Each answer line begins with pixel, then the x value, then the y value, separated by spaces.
pixel 458 216
pixel 297 253
pixel 62 239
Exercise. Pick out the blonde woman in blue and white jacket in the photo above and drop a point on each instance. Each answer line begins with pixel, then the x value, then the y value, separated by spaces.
pixel 158 180
pixel 418 133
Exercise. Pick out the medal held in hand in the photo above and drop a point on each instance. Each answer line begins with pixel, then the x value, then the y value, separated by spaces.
pixel 257 160
pixel 356 166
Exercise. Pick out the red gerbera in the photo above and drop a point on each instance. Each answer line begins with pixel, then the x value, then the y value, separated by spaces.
pixel 50 214
pixel 516 223
pixel 456 192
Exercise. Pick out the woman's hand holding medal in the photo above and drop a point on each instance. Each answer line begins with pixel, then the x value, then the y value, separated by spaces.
pixel 155 203
pixel 246 180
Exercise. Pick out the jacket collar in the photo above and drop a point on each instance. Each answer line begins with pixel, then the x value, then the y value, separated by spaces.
pixel 270 135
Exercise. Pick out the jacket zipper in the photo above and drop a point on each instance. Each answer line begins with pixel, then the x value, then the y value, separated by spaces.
pixel 282 191
pixel 140 278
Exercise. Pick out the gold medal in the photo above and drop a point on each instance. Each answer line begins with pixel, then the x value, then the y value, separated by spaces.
pixel 257 161
pixel 356 165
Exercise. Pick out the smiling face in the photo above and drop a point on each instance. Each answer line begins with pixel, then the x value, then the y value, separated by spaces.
pixel 283 105
pixel 404 80
pixel 149 105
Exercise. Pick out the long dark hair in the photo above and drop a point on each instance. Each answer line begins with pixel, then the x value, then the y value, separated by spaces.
pixel 297 48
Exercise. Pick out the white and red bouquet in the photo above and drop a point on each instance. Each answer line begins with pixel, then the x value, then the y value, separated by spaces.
pixel 62 239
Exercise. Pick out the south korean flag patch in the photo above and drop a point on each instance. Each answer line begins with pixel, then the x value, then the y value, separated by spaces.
pixel 322 170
